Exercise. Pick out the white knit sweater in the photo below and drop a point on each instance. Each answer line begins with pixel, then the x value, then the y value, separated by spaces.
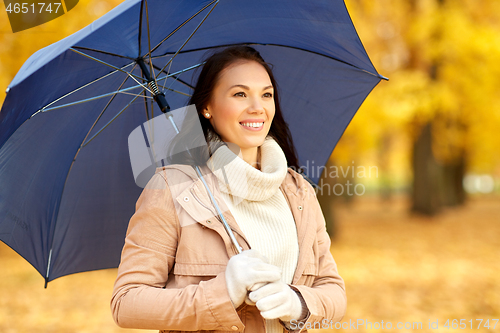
pixel 259 207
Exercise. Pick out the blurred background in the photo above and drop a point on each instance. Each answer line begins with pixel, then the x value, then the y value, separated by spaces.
pixel 411 193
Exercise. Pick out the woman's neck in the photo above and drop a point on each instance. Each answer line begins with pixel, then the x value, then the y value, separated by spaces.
pixel 249 155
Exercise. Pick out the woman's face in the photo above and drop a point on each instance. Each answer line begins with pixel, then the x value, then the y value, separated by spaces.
pixel 242 107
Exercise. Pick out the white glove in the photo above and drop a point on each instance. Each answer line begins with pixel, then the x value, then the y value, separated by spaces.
pixel 248 271
pixel 278 300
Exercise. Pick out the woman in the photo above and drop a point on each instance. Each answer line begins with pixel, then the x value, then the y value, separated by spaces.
pixel 179 270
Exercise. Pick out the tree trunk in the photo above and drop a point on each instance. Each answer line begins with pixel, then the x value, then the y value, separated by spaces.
pixel 383 161
pixel 452 191
pixel 326 199
pixel 434 184
pixel 425 194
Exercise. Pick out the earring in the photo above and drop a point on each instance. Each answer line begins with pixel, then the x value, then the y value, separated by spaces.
pixel 207 115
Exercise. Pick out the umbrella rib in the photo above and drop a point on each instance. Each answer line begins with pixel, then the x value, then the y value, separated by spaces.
pixel 171 84
pixel 182 24
pixel 174 75
pixel 190 36
pixel 103 52
pixel 91 99
pixel 183 82
pixel 169 87
pixel 182 70
pixel 179 92
pixel 176 78
pixel 149 44
pixel 72 92
pixel 109 122
pixel 133 76
pixel 140 29
pixel 127 93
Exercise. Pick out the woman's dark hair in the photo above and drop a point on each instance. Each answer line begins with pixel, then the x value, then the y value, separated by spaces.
pixel 205 85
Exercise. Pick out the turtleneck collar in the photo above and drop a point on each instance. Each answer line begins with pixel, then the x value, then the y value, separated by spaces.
pixel 239 179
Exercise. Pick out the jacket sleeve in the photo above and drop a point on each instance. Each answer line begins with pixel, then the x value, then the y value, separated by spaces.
pixel 140 299
pixel 326 298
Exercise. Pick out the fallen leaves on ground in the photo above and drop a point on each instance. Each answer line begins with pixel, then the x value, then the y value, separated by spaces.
pixel 397 268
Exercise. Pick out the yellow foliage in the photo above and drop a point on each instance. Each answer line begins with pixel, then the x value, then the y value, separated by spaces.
pixel 443 61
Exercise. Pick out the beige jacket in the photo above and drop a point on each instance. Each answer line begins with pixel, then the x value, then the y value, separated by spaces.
pixel 171 276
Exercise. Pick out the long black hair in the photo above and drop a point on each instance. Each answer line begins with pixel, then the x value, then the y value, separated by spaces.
pixel 202 94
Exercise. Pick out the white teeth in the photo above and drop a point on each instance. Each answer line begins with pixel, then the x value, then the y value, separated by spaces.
pixel 252 124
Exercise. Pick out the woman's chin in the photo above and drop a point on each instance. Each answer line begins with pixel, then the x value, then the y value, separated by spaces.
pixel 246 143
pixel 255 143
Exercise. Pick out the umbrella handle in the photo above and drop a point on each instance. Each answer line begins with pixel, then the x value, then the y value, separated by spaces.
pixel 239 249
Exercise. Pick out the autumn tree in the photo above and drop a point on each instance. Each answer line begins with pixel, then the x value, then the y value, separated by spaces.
pixel 443 59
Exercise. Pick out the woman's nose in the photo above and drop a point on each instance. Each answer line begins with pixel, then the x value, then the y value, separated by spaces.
pixel 256 106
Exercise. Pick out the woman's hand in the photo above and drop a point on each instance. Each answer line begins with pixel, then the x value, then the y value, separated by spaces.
pixel 278 300
pixel 246 271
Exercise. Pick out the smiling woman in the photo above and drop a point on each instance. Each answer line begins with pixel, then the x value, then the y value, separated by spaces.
pixel 179 271
pixel 242 108
pixel 229 81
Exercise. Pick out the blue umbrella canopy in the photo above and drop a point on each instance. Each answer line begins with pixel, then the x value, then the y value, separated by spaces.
pixel 66 185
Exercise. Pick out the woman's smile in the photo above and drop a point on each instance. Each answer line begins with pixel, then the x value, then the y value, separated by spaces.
pixel 253 125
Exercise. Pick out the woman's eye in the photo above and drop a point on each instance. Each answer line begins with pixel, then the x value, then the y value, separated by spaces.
pixel 241 94
pixel 268 95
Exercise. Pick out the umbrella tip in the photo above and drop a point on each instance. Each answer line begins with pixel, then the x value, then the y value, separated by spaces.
pixel 46 283
pixel 7 90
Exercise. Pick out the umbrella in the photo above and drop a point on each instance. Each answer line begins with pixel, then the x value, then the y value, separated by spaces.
pixel 67 188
